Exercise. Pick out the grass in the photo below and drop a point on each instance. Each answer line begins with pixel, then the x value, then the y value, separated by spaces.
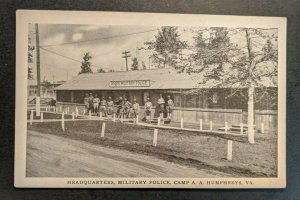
pixel 200 150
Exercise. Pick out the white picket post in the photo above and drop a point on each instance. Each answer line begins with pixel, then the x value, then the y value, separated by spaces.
pixel 229 149
pixel 226 127
pixel 90 115
pixel 137 119
pixel 210 126
pixel 31 117
pixel 103 129
pixel 181 123
pixel 100 114
pixel 155 137
pixel 242 128
pixel 114 117
pixel 68 109
pixel 158 121
pixel 73 116
pixel 42 116
pixel 201 125
pixel 262 128
pixel 122 118
pixel 63 121
pixel 76 111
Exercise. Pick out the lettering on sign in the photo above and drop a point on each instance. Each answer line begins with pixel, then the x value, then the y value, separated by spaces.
pixel 133 83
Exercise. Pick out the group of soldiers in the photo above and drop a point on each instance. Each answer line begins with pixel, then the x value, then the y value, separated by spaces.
pixel 125 108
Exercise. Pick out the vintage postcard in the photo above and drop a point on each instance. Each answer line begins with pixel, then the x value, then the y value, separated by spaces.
pixel 149 100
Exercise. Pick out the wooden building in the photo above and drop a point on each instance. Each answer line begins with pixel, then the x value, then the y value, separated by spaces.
pixel 192 101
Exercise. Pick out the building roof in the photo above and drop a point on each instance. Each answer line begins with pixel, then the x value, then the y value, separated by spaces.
pixel 155 78
pixel 33 82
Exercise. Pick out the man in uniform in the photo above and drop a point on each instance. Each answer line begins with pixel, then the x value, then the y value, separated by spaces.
pixel 110 106
pixel 96 102
pixel 119 104
pixel 161 104
pixel 86 102
pixel 103 105
pixel 170 105
pixel 91 98
pixel 127 106
pixel 148 107
pixel 135 108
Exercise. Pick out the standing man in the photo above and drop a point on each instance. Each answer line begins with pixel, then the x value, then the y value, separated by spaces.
pixel 135 108
pixel 91 98
pixel 96 102
pixel 119 104
pixel 161 105
pixel 127 106
pixel 86 103
pixel 103 105
pixel 170 106
pixel 110 106
pixel 148 107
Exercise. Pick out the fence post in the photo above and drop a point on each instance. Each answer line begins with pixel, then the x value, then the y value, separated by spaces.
pixel 114 117
pixel 68 109
pixel 242 128
pixel 201 125
pixel 262 128
pixel 155 137
pixel 73 116
pixel 122 118
pixel 158 121
pixel 42 116
pixel 229 149
pixel 226 127
pixel 76 111
pixel 100 114
pixel 46 109
pixel 31 117
pixel 90 114
pixel 63 121
pixel 137 119
pixel 181 123
pixel 210 126
pixel 103 129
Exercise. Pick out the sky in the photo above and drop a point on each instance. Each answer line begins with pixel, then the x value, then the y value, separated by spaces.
pixel 105 44
pixel 63 47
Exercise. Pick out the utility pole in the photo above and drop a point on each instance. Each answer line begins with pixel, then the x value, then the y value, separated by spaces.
pixel 126 56
pixel 38 97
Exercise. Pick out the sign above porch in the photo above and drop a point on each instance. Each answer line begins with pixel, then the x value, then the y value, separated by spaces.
pixel 130 83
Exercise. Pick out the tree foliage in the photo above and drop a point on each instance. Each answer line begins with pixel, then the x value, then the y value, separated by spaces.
pixel 236 58
pixel 135 64
pixel 167 47
pixel 101 70
pixel 31 48
pixel 86 65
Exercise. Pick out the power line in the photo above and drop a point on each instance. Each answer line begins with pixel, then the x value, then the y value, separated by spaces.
pixel 115 36
pixel 66 57
pixel 60 55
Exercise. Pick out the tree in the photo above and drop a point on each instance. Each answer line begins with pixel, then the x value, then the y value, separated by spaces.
pixel 238 58
pixel 143 65
pixel 100 70
pixel 167 47
pixel 86 64
pixel 30 59
pixel 135 64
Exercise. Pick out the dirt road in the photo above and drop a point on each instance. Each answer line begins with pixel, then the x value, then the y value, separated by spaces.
pixel 54 156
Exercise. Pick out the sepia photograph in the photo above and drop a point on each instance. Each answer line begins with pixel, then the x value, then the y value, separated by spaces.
pixel 140 100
